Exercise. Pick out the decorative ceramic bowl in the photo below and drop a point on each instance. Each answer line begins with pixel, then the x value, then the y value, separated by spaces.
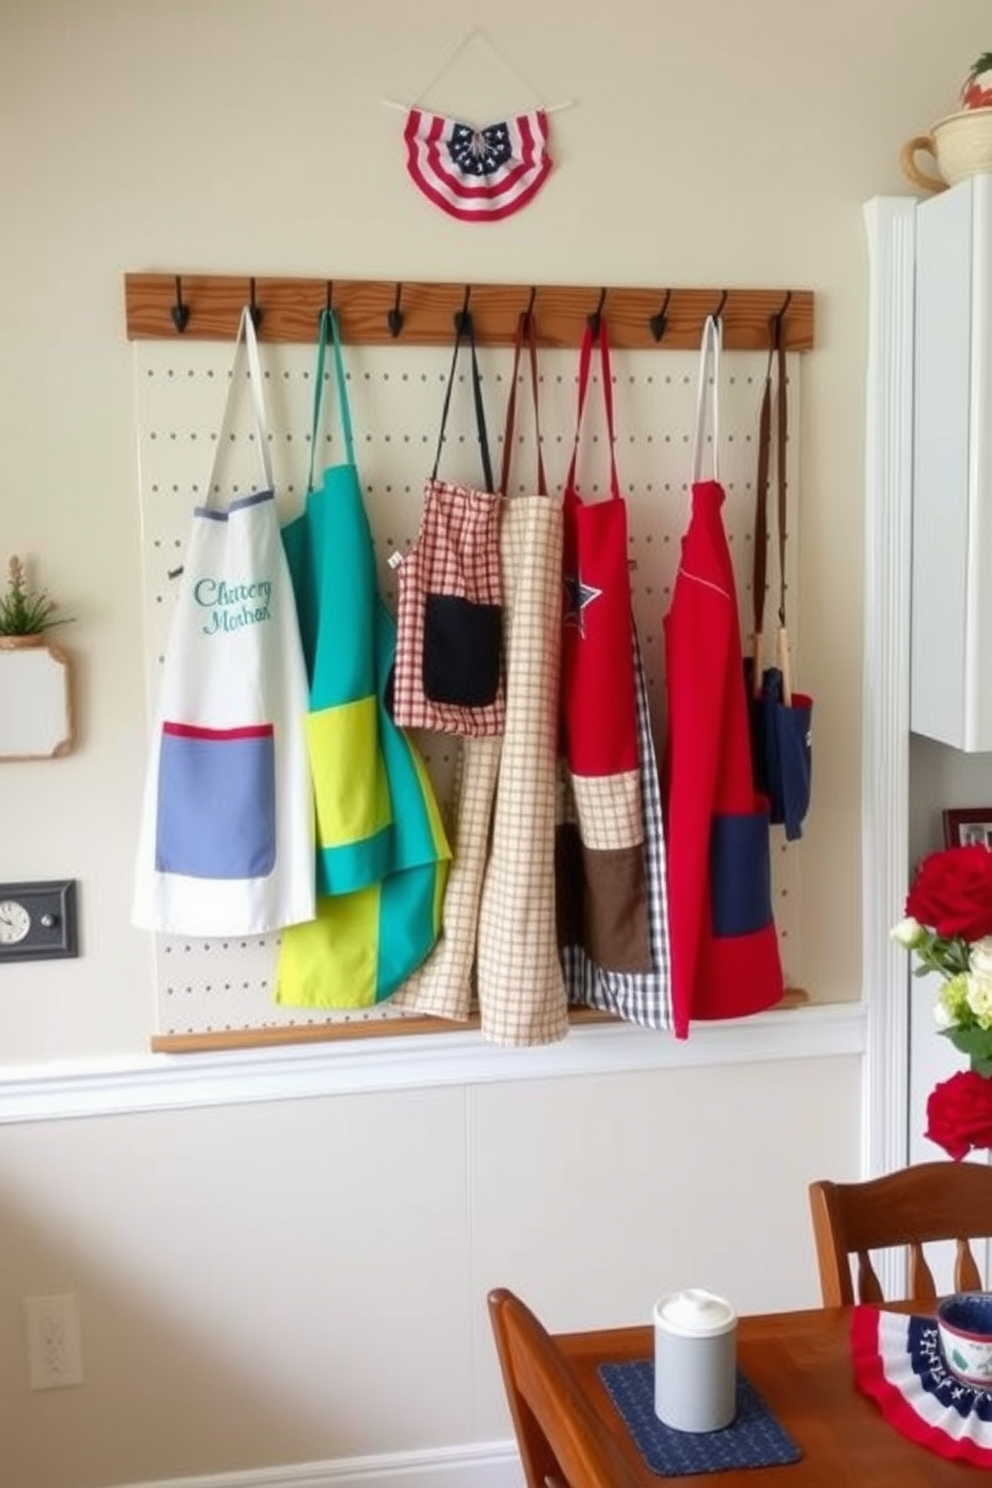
pixel 964 1323
pixel 959 146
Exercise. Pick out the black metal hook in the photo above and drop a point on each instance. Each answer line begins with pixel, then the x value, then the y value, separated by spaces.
pixel 463 319
pixel 595 319
pixel 776 321
pixel 659 323
pixel 328 309
pixel 394 317
pixel 718 312
pixel 528 313
pixel 180 312
pixel 253 310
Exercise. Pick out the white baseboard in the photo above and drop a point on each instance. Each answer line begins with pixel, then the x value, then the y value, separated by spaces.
pixel 479 1465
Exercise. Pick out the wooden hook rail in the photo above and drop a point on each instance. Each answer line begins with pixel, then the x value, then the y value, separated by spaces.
pixel 386 312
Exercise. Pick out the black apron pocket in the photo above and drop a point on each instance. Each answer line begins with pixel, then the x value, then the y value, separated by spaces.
pixel 463 650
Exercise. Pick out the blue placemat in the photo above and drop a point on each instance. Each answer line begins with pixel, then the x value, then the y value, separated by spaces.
pixel 753 1439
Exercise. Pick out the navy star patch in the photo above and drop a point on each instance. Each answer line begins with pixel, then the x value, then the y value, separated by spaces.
pixel 577 597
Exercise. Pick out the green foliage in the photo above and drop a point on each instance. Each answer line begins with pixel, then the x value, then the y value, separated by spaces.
pixel 25 611
pixel 977 1044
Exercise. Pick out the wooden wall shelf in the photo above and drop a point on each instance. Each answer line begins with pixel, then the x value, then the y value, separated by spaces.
pixel 289 310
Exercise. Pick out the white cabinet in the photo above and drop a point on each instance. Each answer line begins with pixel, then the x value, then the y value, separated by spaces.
pixel 951 608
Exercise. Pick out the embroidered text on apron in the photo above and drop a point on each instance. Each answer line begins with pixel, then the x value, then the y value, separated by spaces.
pixel 226 839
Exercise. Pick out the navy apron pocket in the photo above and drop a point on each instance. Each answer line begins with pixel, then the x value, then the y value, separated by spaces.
pixel 740 874
pixel 216 802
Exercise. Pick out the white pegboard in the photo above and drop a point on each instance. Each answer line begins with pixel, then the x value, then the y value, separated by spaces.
pixel 226 986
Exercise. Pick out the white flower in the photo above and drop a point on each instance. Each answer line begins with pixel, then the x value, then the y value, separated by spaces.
pixel 951 1008
pixel 908 932
pixel 943 1016
pixel 980 956
pixel 979 997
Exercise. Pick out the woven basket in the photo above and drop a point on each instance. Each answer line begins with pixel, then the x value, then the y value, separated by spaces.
pixel 959 146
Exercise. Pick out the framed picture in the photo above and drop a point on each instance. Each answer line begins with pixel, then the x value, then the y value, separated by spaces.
pixel 966 826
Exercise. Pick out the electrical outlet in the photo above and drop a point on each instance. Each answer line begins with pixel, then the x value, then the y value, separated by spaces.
pixel 55 1350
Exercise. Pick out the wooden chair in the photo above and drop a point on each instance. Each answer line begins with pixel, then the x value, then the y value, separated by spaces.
pixel 909 1208
pixel 562 1442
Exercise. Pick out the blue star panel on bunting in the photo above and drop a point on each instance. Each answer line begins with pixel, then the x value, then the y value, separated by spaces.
pixel 479 152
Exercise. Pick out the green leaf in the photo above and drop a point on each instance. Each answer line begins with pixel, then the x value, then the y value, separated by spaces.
pixel 975 1042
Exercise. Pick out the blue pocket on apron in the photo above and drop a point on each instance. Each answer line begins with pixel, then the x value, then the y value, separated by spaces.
pixel 216 802
pixel 740 873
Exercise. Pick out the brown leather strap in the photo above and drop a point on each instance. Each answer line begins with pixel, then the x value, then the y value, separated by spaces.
pixel 759 555
pixel 776 407
pixel 525 327
pixel 782 437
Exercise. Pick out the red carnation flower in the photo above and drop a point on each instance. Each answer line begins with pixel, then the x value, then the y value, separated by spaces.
pixel 952 893
pixel 959 1113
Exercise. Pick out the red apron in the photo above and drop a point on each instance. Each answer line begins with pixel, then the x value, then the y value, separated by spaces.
pixel 600 859
pixel 725 955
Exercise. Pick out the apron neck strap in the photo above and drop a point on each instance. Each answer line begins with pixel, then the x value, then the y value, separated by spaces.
pixel 525 327
pixel 606 378
pixel 464 327
pixel 329 322
pixel 709 351
pixel 246 333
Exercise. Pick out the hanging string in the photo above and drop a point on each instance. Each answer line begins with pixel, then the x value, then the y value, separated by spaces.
pixel 476 32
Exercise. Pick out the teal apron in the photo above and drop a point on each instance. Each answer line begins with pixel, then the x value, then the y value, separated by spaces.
pixel 382 854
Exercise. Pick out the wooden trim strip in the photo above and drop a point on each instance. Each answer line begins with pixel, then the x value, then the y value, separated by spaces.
pixel 289 310
pixel 322 1033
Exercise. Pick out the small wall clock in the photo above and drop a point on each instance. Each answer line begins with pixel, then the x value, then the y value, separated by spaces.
pixel 37 920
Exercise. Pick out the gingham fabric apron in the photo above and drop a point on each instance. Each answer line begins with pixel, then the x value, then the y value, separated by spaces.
pixel 226 839
pixel 448 675
pixel 382 855
pixel 499 913
pixel 643 997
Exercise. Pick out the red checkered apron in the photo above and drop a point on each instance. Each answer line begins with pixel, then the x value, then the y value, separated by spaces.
pixel 448 675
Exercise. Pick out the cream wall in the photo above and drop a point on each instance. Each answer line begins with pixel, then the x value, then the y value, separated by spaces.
pixel 710 143
pixel 302 1281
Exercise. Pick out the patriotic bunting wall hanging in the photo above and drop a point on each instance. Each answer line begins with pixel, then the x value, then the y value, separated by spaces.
pixel 472 173
pixel 477 175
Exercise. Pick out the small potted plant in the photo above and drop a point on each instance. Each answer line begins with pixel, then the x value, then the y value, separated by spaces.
pixel 25 613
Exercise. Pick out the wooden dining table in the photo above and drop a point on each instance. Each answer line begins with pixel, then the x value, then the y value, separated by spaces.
pixel 800 1362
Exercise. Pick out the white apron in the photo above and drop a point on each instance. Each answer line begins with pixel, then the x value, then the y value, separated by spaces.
pixel 226 844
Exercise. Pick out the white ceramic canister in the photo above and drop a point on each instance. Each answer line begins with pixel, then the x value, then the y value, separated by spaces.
pixel 695 1361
